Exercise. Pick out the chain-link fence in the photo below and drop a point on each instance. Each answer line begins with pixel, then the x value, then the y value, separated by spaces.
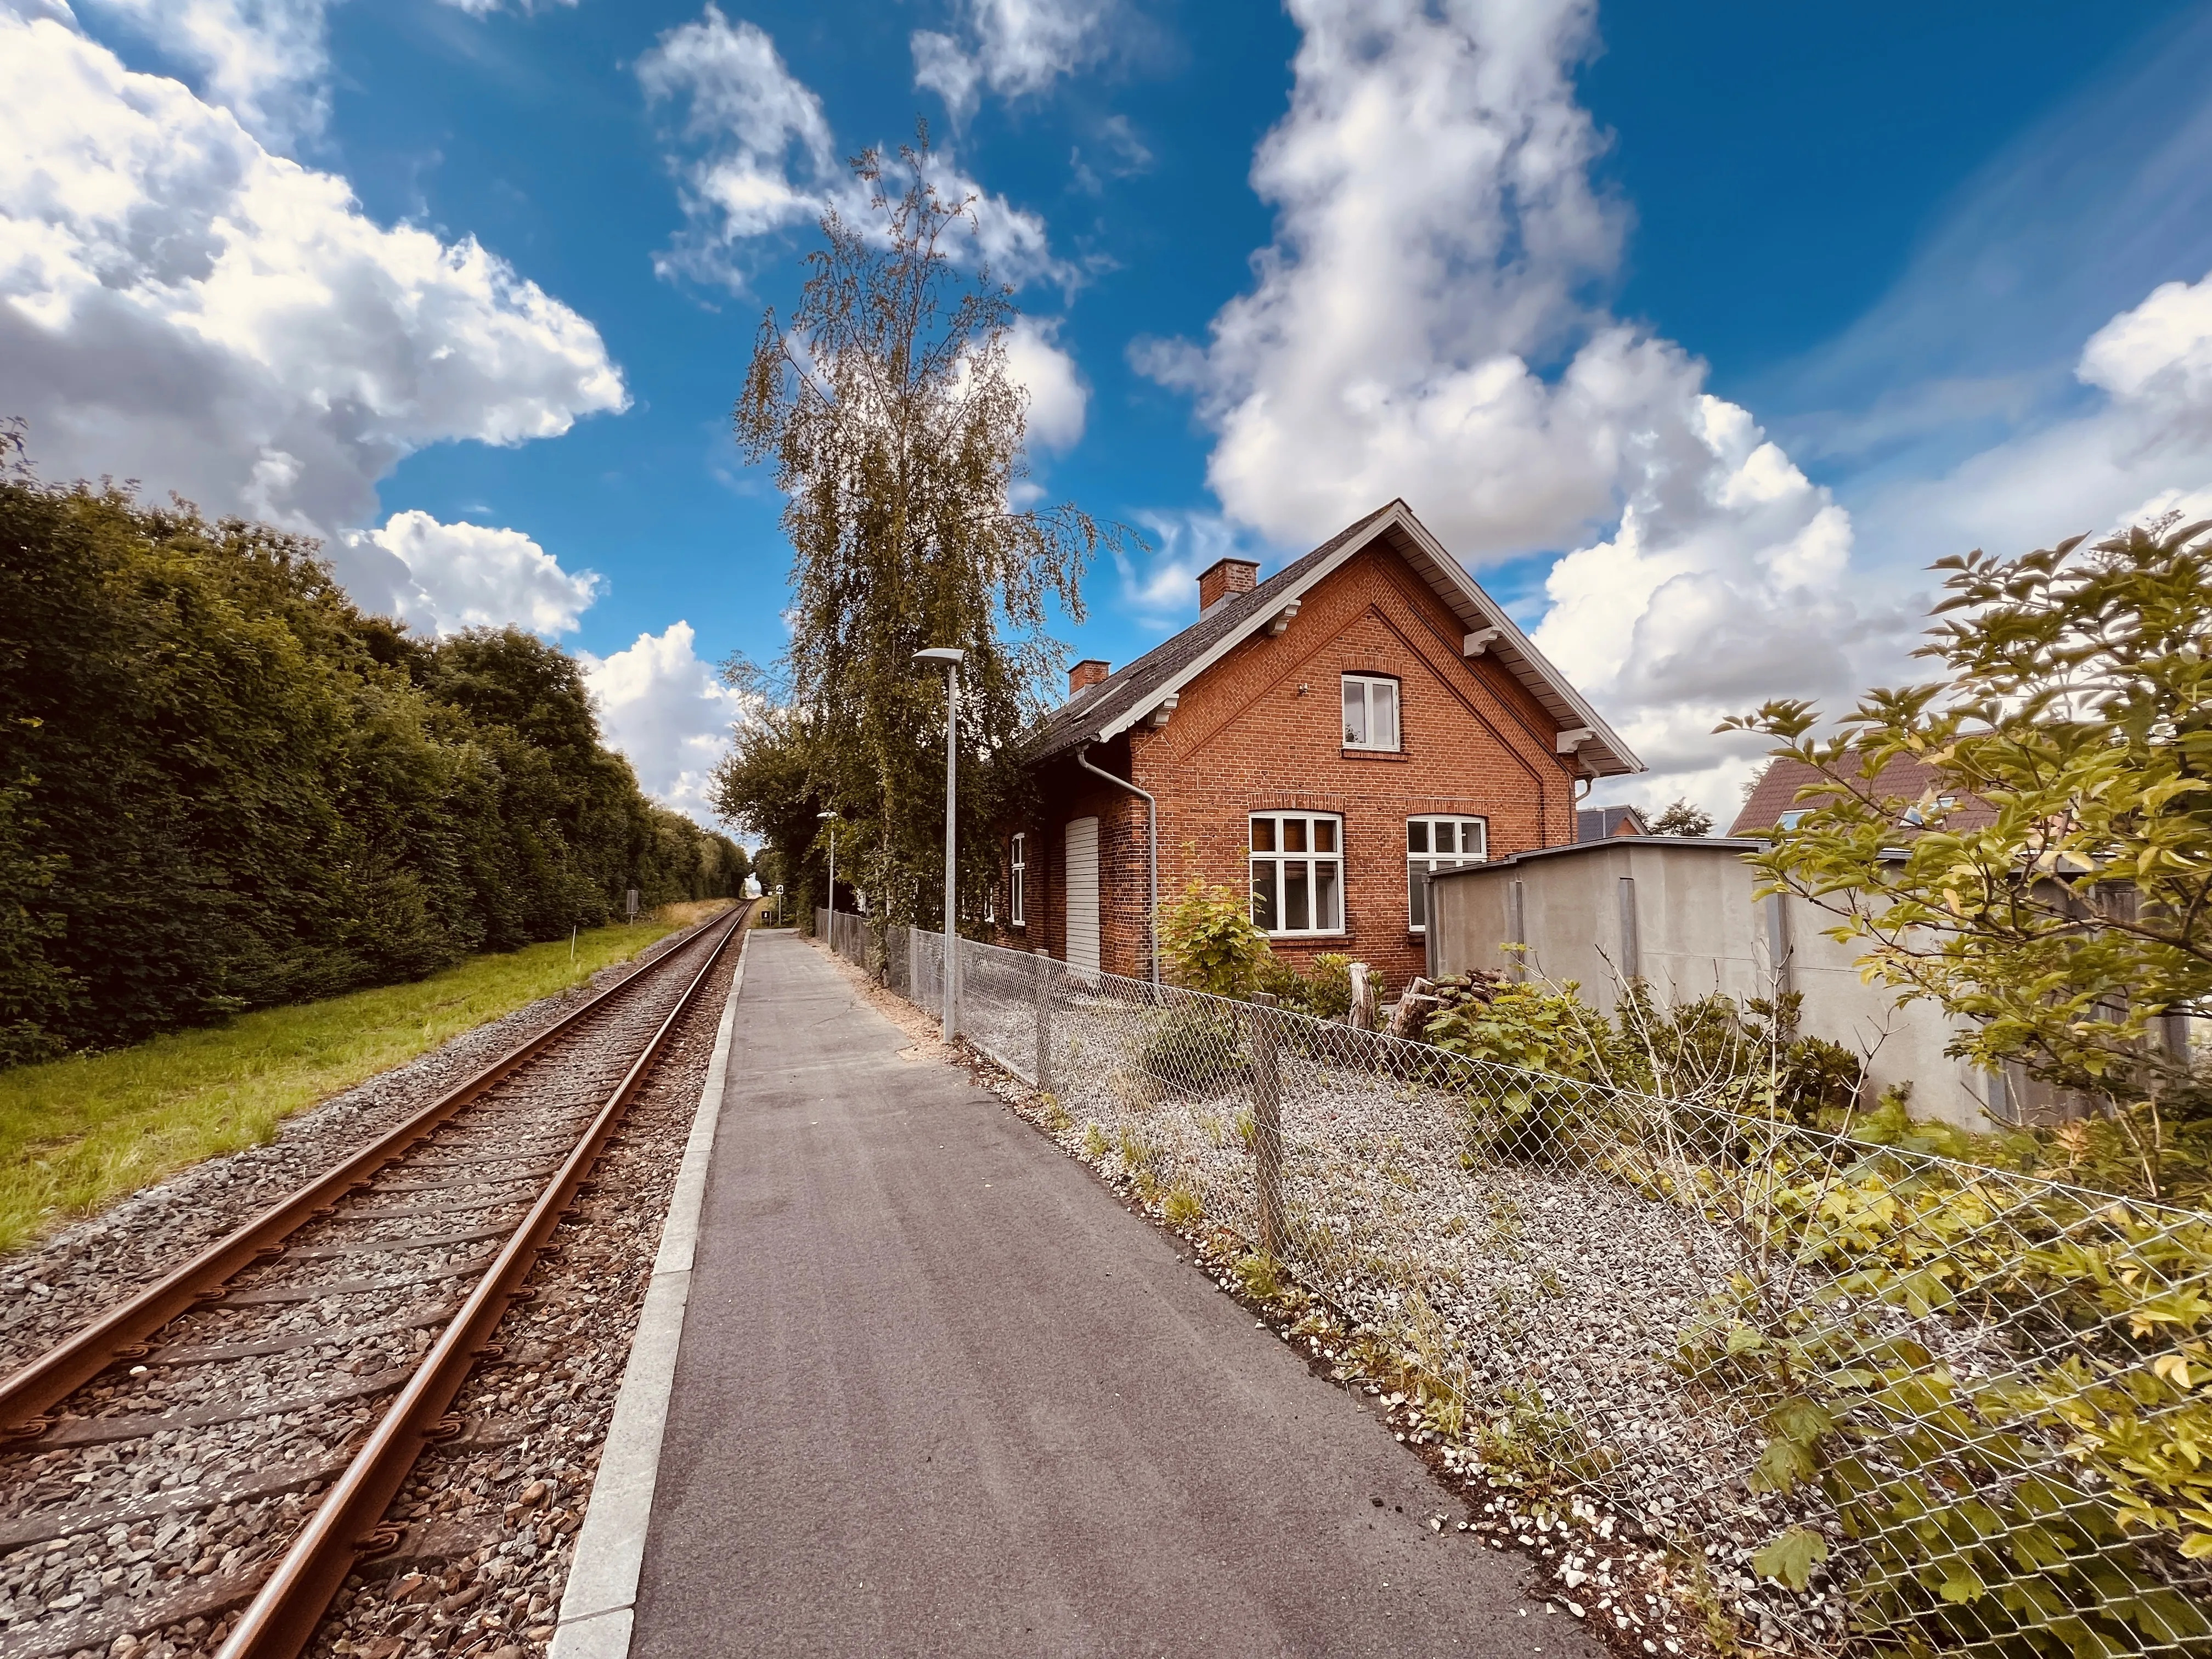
pixel 1940 1407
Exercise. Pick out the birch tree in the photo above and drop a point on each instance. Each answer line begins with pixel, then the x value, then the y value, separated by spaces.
pixel 898 432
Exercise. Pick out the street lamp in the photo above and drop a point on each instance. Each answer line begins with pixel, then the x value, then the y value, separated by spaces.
pixel 950 657
pixel 832 819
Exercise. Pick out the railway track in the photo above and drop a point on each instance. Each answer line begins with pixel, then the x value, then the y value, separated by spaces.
pixel 215 1455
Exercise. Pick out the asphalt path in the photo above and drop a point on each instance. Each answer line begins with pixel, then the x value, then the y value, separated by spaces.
pixel 938 1393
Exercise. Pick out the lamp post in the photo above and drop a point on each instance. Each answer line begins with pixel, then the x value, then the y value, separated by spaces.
pixel 831 818
pixel 950 657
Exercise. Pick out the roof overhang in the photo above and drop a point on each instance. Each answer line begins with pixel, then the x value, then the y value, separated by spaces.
pixel 1600 755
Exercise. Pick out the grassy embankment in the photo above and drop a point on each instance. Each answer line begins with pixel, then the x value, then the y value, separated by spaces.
pixel 78 1133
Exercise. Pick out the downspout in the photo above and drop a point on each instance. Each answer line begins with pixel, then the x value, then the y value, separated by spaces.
pixel 1152 837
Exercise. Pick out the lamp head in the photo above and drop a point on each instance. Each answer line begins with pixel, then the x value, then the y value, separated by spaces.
pixel 825 815
pixel 950 656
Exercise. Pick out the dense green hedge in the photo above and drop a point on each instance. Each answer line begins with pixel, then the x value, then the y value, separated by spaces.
pixel 223 787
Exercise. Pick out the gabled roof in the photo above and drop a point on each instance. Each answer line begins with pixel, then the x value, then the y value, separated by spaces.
pixel 1121 700
pixel 1905 778
pixel 1606 823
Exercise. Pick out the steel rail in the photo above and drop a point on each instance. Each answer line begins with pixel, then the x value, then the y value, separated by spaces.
pixel 121 1333
pixel 281 1619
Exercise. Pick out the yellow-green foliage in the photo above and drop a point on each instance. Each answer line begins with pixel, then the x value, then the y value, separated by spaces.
pixel 1211 943
pixel 76 1134
pixel 2045 882
pixel 2026 1513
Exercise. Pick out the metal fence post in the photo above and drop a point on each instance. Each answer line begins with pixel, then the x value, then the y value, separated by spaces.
pixel 1040 968
pixel 1267 1127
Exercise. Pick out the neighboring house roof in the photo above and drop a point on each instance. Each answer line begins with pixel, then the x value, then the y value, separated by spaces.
pixel 1603 822
pixel 1903 779
pixel 1124 698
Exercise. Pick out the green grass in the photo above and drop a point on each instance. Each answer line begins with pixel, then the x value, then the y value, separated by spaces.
pixel 76 1134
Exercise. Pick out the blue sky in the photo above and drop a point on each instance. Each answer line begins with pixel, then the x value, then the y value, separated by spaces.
pixel 1697 331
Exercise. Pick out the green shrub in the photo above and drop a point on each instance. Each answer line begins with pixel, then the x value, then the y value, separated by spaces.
pixel 1324 991
pixel 1211 943
pixel 1196 1049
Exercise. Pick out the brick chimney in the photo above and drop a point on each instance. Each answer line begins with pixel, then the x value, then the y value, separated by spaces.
pixel 1224 577
pixel 1085 674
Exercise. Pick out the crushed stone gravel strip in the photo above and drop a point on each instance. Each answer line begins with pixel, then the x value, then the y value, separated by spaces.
pixel 108 1431
pixel 165 1583
pixel 1592 1565
pixel 489 1517
pixel 599 1600
pixel 51 1288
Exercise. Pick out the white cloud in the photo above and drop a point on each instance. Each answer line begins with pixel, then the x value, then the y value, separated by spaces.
pixel 452 576
pixel 1057 398
pixel 668 711
pixel 1014 47
pixel 267 62
pixel 946 68
pixel 1423 326
pixel 179 306
pixel 762 154
pixel 1436 223
pixel 486 8
pixel 757 157
pixel 2158 356
pixel 1689 613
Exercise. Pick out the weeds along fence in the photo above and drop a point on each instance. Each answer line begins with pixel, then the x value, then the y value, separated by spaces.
pixel 1896 1402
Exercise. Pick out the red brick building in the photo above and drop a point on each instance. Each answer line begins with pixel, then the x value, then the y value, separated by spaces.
pixel 1317 741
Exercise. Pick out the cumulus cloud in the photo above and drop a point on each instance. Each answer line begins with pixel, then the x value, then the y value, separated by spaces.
pixel 1425 324
pixel 1057 398
pixel 267 62
pixel 446 577
pixel 1012 46
pixel 1691 610
pixel 753 156
pixel 668 711
pixel 1436 227
pixel 179 306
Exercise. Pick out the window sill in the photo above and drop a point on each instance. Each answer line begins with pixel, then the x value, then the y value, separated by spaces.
pixel 1374 754
pixel 1293 939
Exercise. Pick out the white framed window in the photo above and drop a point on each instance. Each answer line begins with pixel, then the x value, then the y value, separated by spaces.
pixel 1297 872
pixel 1370 711
pixel 1438 842
pixel 1018 864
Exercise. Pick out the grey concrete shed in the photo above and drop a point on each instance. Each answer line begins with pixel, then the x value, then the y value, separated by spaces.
pixel 1678 912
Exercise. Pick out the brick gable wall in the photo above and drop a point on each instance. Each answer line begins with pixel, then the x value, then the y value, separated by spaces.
pixel 1261 731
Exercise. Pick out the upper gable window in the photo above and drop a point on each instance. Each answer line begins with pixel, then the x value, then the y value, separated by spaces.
pixel 1370 711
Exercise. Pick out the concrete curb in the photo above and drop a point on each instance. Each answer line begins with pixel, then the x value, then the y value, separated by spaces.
pixel 597 1607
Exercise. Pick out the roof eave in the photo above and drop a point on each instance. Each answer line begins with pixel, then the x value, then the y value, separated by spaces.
pixel 1603 755
pixel 1459 589
pixel 1244 630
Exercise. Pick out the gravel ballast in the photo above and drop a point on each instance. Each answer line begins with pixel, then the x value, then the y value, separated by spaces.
pixel 166 1488
pixel 50 1289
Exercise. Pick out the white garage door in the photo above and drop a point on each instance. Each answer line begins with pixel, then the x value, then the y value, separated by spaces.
pixel 1081 880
